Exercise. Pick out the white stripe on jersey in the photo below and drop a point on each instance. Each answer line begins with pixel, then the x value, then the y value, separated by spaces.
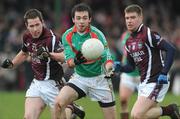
pixel 148 73
pixel 149 37
pixel 47 64
pixel 53 41
pixel 162 61
pixel 127 49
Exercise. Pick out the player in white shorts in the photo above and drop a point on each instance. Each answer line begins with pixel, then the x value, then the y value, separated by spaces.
pixel 144 50
pixel 128 85
pixel 45 51
pixel 88 78
pixel 128 81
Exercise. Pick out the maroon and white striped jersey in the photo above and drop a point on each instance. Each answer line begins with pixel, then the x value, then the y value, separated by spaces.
pixel 43 70
pixel 143 49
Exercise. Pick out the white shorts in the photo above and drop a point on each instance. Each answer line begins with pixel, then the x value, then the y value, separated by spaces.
pixel 46 90
pixel 153 91
pixel 131 82
pixel 97 88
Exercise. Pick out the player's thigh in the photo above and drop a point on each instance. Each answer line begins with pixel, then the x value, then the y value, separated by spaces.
pixel 66 95
pixel 34 106
pixel 109 112
pixel 101 90
pixel 142 105
pixel 127 86
pixel 125 92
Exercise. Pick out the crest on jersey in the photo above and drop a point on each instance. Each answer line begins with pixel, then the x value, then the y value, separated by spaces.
pixel 34 46
pixel 140 45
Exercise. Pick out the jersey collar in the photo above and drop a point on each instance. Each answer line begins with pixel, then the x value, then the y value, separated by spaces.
pixel 86 31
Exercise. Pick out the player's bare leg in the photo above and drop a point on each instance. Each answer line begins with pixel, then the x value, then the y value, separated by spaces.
pixel 66 115
pixel 150 110
pixel 109 112
pixel 141 108
pixel 124 95
pixel 33 108
pixel 63 99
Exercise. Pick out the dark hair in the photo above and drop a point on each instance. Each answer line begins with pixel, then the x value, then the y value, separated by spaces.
pixel 134 8
pixel 31 14
pixel 80 8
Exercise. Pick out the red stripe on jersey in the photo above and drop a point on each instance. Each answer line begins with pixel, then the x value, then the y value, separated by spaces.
pixel 69 40
pixel 93 35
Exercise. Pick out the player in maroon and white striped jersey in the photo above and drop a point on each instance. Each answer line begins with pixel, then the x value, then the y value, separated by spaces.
pixel 46 51
pixel 144 50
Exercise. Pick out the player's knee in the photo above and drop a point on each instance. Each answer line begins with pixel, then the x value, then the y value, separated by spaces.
pixel 59 104
pixel 28 116
pixel 123 101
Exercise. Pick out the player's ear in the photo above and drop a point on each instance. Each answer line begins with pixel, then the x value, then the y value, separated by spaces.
pixel 90 20
pixel 26 24
pixel 73 20
pixel 43 23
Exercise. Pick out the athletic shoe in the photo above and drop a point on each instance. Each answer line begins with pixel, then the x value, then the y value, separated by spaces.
pixel 78 110
pixel 175 114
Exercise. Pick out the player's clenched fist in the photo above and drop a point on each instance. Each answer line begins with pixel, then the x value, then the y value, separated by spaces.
pixel 7 64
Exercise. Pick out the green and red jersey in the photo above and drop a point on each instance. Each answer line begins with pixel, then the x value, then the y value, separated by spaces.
pixel 72 42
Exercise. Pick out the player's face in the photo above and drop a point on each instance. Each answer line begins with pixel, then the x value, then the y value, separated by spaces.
pixel 35 27
pixel 81 21
pixel 133 20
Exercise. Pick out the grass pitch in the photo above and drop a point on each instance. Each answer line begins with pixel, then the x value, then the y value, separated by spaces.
pixel 12 106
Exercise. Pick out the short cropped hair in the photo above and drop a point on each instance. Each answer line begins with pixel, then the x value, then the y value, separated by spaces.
pixel 80 8
pixel 31 14
pixel 134 8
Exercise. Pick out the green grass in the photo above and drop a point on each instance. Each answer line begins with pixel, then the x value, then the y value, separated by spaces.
pixel 12 106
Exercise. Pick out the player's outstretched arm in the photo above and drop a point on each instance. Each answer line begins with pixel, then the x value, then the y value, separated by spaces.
pixel 18 59
pixel 7 63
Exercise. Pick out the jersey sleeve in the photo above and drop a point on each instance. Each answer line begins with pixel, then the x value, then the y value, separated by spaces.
pixel 156 39
pixel 58 46
pixel 67 48
pixel 162 44
pixel 107 56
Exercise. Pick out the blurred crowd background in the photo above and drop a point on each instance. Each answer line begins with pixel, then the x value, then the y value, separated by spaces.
pixel 162 16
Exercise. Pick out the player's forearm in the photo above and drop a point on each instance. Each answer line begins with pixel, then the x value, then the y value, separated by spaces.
pixel 170 52
pixel 57 56
pixel 19 58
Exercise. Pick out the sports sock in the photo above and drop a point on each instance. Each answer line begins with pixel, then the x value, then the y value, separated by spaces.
pixel 124 115
pixel 166 110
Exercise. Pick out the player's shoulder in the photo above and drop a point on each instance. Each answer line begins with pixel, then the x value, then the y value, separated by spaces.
pixel 155 35
pixel 98 32
pixel 95 29
pixel 68 31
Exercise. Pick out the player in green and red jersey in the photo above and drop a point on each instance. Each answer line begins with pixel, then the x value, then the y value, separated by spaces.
pixel 129 81
pixel 89 77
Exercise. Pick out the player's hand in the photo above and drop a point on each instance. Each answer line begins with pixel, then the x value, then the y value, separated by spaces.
pixel 79 58
pixel 7 63
pixel 109 70
pixel 42 53
pixel 117 66
pixel 162 79
pixel 109 73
